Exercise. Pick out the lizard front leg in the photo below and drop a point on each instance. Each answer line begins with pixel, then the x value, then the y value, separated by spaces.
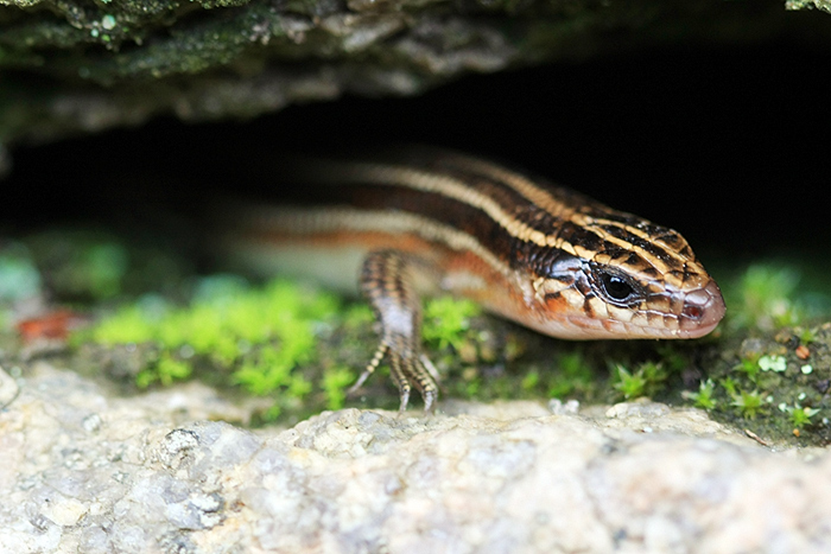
pixel 390 281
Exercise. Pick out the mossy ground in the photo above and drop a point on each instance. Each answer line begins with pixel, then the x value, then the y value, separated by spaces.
pixel 153 322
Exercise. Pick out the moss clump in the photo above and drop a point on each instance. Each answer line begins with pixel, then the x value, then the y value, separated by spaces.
pixel 447 322
pixel 166 370
pixel 256 338
pixel 748 403
pixel 335 383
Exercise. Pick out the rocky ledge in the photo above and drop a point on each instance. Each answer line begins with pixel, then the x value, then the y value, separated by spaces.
pixel 87 471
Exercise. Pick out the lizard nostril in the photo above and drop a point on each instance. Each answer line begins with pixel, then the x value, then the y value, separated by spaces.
pixel 704 306
pixel 692 311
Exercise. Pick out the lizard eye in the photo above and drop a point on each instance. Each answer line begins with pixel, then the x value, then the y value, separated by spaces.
pixel 616 287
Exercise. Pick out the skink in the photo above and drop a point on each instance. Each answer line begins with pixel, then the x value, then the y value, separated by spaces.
pixel 424 221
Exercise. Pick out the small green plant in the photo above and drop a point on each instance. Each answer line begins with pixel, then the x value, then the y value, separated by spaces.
pixel 704 397
pixel 750 365
pixel 655 375
pixel 748 403
pixel 807 335
pixel 629 384
pixel 645 381
pixel 729 385
pixel 800 417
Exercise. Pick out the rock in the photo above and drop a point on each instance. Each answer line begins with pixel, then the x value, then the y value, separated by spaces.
pixel 69 67
pixel 83 471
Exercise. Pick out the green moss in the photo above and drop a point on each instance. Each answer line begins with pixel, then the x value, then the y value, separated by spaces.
pixel 806 335
pixel 166 370
pixel 447 322
pixel 129 325
pixel 771 373
pixel 256 337
pixel 748 403
pixel 750 365
pixel 335 383
pixel 799 416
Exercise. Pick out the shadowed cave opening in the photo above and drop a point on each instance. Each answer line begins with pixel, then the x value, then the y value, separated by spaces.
pixel 728 146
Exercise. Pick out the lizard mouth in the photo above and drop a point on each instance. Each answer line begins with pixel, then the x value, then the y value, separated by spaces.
pixel 702 311
pixel 697 313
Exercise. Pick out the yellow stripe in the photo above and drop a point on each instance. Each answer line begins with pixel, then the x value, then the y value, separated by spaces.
pixel 543 199
pixel 449 187
pixel 594 225
pixel 456 189
pixel 331 220
pixel 524 186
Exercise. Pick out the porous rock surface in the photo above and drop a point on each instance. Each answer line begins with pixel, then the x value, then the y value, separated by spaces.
pixel 84 471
